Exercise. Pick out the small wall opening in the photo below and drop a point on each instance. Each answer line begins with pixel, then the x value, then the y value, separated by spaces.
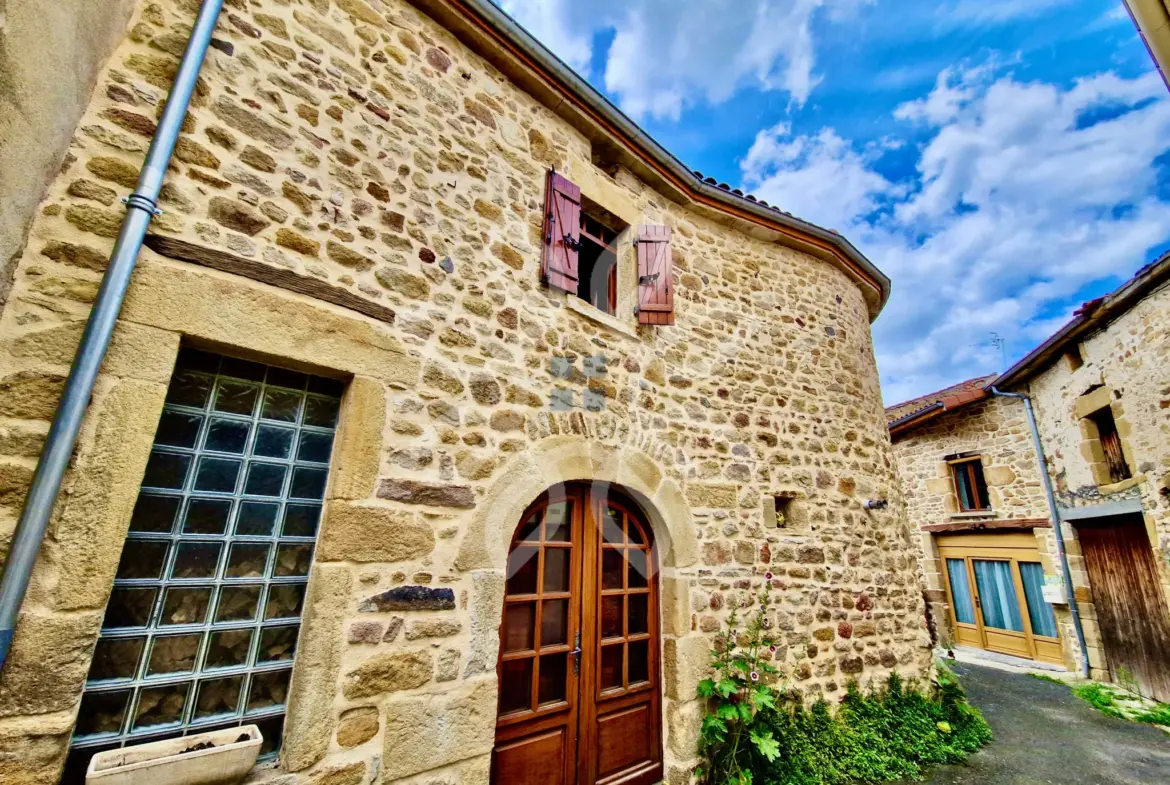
pixel 785 510
pixel 1106 426
pixel 1074 358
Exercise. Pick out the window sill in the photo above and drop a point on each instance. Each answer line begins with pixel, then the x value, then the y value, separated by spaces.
pixel 1124 485
pixel 579 306
pixel 972 515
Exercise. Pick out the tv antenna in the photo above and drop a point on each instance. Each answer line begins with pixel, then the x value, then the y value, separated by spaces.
pixel 999 342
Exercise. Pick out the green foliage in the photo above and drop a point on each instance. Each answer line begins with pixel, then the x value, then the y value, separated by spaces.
pixel 736 733
pixel 1047 678
pixel 1104 700
pixel 756 733
pixel 1100 698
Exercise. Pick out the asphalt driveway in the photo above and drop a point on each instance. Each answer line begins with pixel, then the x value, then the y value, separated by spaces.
pixel 1043 734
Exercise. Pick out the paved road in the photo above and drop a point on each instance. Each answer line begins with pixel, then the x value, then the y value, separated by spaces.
pixel 1043 734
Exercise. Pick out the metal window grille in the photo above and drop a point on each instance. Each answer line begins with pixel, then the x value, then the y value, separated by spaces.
pixel 202 624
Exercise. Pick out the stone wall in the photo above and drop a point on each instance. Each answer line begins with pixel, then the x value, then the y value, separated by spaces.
pixel 997 430
pixel 1125 366
pixel 50 55
pixel 357 151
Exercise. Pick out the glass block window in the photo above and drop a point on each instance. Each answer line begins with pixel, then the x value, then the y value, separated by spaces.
pixel 201 627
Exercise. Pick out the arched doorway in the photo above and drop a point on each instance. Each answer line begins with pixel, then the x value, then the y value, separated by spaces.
pixel 580 682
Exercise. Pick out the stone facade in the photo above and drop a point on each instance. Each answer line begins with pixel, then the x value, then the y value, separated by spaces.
pixel 1123 367
pixel 368 195
pixel 995 429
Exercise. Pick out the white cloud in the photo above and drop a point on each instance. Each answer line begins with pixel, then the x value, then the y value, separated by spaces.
pixel 557 27
pixel 667 55
pixel 831 181
pixel 1023 194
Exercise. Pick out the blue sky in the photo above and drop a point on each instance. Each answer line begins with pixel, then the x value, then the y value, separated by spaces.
pixel 1001 160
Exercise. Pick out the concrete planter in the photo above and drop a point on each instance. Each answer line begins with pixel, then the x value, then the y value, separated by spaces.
pixel 226 763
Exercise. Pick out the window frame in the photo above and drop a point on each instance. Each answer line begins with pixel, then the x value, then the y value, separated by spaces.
pixel 1111 445
pixel 210 369
pixel 977 480
pixel 589 215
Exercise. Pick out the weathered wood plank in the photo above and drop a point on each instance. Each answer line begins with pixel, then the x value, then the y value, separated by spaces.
pixel 1022 524
pixel 267 274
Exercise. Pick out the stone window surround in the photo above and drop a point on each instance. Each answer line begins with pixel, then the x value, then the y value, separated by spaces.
pixel 231 315
pixel 1083 408
pixel 602 190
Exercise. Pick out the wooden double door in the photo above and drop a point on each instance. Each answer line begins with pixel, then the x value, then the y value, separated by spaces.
pixel 1129 600
pixel 580 696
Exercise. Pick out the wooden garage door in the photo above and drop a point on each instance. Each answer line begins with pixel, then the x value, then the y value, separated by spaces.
pixel 1131 609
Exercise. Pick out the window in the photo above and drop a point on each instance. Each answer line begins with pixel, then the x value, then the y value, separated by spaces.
pixel 202 625
pixel 970 487
pixel 1106 427
pixel 598 262
pixel 580 256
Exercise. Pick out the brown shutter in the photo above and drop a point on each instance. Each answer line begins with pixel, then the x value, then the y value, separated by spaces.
pixel 562 233
pixel 655 276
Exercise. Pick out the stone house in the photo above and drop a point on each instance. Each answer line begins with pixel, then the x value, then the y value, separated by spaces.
pixel 974 491
pixel 446 417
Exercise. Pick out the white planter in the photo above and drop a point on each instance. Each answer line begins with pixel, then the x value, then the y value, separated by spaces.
pixel 166 763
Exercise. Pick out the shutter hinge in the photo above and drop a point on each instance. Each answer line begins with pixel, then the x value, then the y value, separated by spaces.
pixel 644 280
pixel 572 243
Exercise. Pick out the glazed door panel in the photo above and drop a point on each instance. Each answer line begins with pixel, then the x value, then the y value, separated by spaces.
pixel 536 729
pixel 993 585
pixel 1128 598
pixel 579 683
pixel 620 715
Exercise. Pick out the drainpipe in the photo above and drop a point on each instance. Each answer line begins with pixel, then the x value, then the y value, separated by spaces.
pixel 141 207
pixel 1056 526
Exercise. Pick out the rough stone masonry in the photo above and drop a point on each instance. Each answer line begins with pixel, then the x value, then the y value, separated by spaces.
pixel 350 158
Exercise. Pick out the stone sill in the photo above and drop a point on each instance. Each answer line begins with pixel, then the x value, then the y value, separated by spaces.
pixel 579 306
pixel 1124 485
pixel 972 516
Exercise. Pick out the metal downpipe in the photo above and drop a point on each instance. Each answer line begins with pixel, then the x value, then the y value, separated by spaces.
pixel 141 207
pixel 1056 526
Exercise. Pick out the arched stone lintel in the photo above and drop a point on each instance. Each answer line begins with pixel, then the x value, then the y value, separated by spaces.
pixel 564 459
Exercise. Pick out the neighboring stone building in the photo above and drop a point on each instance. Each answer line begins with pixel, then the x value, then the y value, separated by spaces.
pixel 1100 387
pixel 341 382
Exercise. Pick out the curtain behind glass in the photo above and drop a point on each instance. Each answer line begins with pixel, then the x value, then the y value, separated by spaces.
pixel 997 593
pixel 1039 611
pixel 961 591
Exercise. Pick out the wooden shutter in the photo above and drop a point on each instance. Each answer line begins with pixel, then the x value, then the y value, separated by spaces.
pixel 655 276
pixel 562 233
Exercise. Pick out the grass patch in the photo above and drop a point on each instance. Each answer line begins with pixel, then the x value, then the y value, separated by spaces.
pixel 1104 699
pixel 1100 698
pixel 1047 678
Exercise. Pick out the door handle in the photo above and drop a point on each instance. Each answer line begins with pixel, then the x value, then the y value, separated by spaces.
pixel 576 655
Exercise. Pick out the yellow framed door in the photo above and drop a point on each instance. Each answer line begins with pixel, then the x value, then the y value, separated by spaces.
pixel 997 600
pixel 993 585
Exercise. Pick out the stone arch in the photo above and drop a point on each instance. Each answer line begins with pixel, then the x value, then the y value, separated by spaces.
pixel 572 458
pixel 484 554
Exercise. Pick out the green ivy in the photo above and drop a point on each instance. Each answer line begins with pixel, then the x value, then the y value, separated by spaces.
pixel 757 732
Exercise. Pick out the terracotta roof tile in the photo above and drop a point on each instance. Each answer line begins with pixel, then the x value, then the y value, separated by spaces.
pixel 954 395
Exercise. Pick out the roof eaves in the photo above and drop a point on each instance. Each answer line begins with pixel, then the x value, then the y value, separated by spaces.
pixel 593 103
pixel 1089 318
